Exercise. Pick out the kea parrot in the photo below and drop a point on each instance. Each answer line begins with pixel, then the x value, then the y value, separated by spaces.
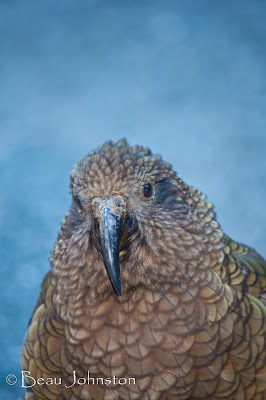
pixel 147 298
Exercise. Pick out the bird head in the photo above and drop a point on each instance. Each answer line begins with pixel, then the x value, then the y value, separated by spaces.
pixel 134 218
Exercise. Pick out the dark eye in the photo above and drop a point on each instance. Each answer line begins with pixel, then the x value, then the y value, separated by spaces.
pixel 148 190
pixel 79 205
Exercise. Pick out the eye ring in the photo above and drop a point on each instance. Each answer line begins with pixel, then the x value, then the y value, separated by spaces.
pixel 147 190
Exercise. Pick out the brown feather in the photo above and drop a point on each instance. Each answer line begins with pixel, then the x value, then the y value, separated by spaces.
pixel 191 323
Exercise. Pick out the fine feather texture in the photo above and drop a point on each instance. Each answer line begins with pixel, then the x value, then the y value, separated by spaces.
pixel 191 323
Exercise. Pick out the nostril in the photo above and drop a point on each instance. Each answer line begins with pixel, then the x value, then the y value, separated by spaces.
pixel 119 202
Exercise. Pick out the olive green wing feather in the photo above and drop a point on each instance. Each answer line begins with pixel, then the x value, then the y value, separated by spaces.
pixel 246 269
pixel 43 342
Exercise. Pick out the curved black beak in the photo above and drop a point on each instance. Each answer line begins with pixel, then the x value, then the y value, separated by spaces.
pixel 110 225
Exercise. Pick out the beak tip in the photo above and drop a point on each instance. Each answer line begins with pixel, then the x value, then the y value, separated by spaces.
pixel 118 288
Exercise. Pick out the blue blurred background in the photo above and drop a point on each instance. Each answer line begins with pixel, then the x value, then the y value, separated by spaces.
pixel 186 78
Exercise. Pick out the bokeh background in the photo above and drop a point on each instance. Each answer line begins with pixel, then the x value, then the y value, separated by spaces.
pixel 186 78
